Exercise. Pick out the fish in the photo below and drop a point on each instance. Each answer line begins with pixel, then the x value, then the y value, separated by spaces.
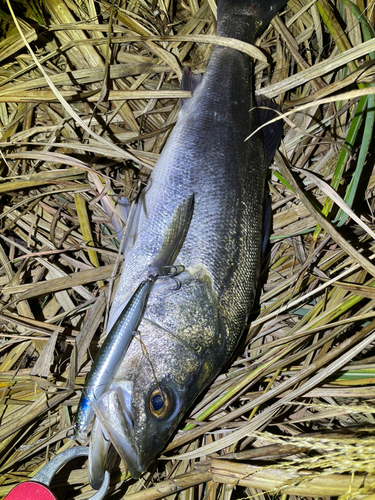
pixel 187 335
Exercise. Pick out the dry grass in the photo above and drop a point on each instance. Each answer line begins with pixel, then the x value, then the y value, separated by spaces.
pixel 86 106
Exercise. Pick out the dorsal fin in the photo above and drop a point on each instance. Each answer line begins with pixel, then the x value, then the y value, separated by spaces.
pixel 273 132
pixel 189 81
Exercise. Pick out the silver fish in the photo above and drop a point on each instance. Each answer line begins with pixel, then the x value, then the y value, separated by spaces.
pixel 186 336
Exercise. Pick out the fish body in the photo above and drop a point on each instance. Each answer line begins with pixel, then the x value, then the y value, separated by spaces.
pixel 186 336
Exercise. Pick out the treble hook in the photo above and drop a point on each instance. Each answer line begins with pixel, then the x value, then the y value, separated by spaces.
pixel 168 272
pixel 178 282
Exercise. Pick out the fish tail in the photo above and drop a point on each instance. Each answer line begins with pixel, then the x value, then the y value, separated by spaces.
pixel 246 19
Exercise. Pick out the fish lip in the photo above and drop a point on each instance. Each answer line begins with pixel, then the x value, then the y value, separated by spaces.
pixel 135 461
pixel 132 462
pixel 120 430
pixel 133 465
pixel 130 452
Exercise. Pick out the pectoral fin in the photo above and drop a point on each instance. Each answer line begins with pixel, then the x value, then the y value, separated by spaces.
pixel 174 236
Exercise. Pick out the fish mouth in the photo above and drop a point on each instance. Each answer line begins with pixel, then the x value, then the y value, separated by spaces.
pixel 114 412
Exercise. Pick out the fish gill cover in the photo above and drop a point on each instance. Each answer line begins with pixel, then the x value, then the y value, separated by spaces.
pixel 86 107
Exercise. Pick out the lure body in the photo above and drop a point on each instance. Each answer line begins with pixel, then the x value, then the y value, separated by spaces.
pixel 109 358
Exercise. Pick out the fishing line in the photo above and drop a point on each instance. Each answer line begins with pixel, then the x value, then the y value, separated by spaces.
pixel 147 356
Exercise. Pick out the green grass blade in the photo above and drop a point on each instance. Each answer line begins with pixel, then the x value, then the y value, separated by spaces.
pixel 366 141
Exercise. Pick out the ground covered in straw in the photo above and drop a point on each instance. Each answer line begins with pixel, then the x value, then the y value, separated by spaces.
pixel 86 106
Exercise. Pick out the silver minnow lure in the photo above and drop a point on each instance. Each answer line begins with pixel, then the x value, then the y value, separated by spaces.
pixel 186 336
pixel 109 358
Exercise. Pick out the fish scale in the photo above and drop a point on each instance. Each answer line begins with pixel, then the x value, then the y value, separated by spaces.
pixel 186 336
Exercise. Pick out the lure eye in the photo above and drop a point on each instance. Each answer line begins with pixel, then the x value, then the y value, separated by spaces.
pixel 160 402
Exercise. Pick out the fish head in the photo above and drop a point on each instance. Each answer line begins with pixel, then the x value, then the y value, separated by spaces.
pixel 141 411
pixel 163 372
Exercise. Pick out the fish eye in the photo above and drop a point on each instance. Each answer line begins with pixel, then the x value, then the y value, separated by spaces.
pixel 160 401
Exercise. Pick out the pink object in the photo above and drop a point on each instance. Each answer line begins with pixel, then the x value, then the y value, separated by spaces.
pixel 30 491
